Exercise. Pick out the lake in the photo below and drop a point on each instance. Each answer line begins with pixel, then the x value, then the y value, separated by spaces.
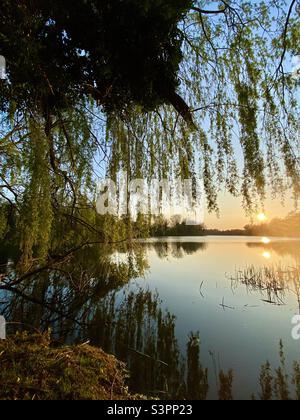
pixel 184 310
pixel 198 281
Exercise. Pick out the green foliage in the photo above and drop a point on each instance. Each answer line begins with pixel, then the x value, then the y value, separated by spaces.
pixel 96 87
pixel 123 52
pixel 33 369
pixel 161 227
pixel 3 220
pixel 37 214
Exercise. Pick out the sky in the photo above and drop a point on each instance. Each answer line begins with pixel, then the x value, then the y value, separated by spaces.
pixel 232 215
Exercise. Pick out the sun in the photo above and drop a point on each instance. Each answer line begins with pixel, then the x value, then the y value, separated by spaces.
pixel 262 217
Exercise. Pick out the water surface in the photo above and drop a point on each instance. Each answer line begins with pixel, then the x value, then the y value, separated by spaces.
pixel 177 310
pixel 198 281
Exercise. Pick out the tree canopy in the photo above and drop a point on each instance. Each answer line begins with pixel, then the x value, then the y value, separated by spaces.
pixel 156 87
pixel 120 52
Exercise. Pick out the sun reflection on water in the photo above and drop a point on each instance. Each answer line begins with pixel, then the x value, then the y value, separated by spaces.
pixel 267 255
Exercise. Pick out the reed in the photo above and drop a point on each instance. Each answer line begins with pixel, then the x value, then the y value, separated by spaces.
pixel 274 282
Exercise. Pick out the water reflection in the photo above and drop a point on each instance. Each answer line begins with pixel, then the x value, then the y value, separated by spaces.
pixel 65 295
pixel 82 300
pixel 174 249
pixel 142 304
pixel 139 332
pixel 132 326
pixel 267 255
pixel 274 283
pixel 282 248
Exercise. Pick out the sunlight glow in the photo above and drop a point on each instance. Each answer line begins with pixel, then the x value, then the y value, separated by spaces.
pixel 266 241
pixel 267 255
pixel 261 217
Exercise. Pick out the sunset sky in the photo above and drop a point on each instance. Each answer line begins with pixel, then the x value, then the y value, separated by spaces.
pixel 232 215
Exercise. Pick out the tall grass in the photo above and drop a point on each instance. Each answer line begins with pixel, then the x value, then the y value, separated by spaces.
pixel 275 281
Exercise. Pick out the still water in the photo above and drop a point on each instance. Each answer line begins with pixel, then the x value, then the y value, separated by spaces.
pixel 201 282
pixel 178 311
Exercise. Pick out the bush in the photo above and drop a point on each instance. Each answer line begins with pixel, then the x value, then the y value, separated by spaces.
pixel 32 369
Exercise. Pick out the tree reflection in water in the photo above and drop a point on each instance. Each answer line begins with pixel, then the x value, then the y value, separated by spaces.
pixel 66 294
pixel 139 332
pixel 86 298
pixel 81 299
pixel 167 248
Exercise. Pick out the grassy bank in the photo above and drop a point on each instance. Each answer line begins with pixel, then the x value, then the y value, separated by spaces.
pixel 33 369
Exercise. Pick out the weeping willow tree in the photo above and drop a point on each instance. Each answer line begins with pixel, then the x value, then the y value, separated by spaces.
pixel 159 88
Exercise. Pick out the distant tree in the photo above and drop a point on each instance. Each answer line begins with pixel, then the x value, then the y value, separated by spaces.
pixel 174 227
pixel 289 226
